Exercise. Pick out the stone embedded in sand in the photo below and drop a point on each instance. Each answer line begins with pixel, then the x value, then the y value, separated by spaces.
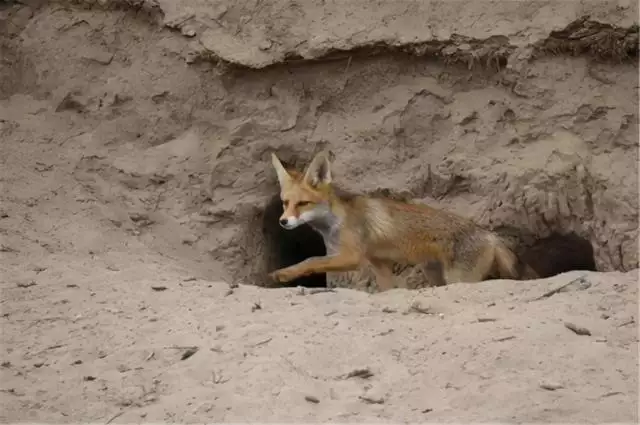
pixel 551 386
pixel 311 399
pixel 578 330
pixel 96 54
pixel 188 32
pixel 371 399
pixel 71 102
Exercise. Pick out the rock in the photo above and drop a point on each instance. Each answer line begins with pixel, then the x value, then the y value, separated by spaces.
pixel 71 102
pixel 26 283
pixel 550 386
pixel 311 399
pixel 372 399
pixel 97 55
pixel 265 45
pixel 188 32
pixel 578 330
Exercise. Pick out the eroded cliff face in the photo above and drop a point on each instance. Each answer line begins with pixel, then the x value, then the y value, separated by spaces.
pixel 524 119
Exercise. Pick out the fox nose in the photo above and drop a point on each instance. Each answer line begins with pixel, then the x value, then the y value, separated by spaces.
pixel 283 221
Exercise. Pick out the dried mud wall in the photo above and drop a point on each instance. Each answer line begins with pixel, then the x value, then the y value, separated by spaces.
pixel 524 119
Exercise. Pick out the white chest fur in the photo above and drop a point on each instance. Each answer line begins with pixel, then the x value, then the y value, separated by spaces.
pixel 329 229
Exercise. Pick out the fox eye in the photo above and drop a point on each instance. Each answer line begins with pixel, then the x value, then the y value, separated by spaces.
pixel 285 202
pixel 303 203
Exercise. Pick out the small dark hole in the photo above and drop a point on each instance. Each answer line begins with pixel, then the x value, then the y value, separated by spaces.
pixel 559 253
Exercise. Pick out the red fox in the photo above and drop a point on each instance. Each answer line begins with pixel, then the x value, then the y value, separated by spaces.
pixel 358 229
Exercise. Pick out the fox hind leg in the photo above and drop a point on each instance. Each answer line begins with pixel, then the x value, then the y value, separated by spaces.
pixel 433 271
pixel 459 275
pixel 473 258
pixel 383 270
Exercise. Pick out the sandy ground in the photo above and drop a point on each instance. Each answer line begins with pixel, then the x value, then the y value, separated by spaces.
pixel 116 308
pixel 100 336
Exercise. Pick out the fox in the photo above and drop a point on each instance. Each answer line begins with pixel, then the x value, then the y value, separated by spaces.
pixel 359 229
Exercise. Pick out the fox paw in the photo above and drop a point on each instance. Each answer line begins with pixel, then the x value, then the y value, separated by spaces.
pixel 282 276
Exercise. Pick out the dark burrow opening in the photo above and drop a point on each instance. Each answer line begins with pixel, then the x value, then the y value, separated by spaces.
pixel 549 256
pixel 558 253
pixel 288 247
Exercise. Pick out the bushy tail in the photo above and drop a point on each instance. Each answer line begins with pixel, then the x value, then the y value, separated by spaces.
pixel 506 261
pixel 527 273
pixel 508 264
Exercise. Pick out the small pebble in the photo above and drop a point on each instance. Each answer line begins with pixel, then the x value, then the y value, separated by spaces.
pixel 188 32
pixel 578 330
pixel 372 400
pixel 188 353
pixel 159 288
pixel 550 386
pixel 311 399
pixel 26 284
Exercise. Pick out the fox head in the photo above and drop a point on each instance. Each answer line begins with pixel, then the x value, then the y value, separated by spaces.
pixel 305 197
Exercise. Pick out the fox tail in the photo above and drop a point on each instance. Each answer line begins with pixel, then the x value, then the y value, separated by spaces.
pixel 506 261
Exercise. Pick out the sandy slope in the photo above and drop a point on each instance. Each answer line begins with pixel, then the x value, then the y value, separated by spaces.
pixel 93 339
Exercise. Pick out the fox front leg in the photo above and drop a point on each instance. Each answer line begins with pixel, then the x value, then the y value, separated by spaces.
pixel 313 265
pixel 285 275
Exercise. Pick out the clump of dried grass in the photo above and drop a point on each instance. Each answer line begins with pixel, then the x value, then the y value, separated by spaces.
pixel 586 37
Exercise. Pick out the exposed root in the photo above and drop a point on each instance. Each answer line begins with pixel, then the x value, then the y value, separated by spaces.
pixel 149 9
pixel 487 54
pixel 581 37
pixel 586 37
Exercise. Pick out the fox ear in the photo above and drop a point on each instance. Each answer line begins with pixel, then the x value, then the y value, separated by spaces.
pixel 283 177
pixel 319 170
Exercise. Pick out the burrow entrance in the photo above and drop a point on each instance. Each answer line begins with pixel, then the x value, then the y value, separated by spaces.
pixel 558 253
pixel 548 256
